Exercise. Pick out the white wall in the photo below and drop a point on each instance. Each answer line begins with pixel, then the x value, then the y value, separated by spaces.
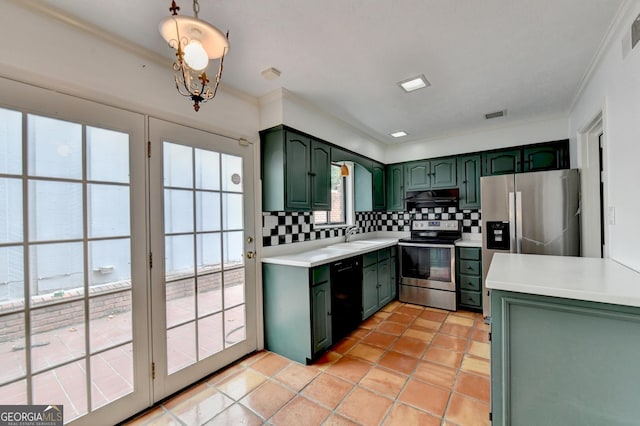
pixel 284 107
pixel 499 137
pixel 51 54
pixel 614 90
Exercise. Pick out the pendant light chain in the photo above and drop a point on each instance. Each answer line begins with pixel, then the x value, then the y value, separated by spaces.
pixel 196 8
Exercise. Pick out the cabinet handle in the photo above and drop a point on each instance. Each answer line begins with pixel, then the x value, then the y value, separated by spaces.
pixel 311 174
pixel 470 268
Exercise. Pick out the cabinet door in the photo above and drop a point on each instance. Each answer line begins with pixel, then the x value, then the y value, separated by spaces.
pixel 443 173
pixel 501 162
pixel 550 157
pixel 417 175
pixel 298 158
pixel 395 187
pixel 393 277
pixel 320 176
pixel 369 290
pixel 469 181
pixel 321 308
pixel 379 191
pixel 384 283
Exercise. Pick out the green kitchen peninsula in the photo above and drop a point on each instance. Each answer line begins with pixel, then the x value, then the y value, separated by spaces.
pixel 565 339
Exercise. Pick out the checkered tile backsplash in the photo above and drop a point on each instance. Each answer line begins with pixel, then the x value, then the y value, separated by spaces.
pixel 292 227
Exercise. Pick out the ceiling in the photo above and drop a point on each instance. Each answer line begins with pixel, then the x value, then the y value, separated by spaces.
pixel 347 56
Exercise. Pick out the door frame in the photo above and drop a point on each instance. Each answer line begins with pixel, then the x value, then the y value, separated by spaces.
pixel 160 130
pixel 592 224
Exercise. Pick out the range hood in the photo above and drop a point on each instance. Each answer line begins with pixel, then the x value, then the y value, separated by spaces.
pixel 432 198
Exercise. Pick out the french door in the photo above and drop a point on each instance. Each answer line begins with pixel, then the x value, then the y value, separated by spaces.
pixel 202 242
pixel 123 277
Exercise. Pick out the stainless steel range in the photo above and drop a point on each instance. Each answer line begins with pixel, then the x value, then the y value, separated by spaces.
pixel 427 264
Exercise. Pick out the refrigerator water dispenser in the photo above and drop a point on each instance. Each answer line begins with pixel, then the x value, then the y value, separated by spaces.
pixel 498 237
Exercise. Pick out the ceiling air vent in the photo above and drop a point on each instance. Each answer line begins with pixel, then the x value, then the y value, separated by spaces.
pixel 495 114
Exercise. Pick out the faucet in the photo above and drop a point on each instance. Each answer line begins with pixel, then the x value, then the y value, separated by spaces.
pixel 351 229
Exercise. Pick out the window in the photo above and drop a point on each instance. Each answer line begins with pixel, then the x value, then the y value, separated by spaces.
pixel 337 215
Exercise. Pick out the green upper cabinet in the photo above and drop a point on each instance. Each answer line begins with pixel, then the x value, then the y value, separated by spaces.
pixel 443 173
pixel 469 181
pixel 552 156
pixel 439 173
pixel 379 190
pixel 320 176
pixel 296 171
pixel 395 187
pixel 417 175
pixel 501 162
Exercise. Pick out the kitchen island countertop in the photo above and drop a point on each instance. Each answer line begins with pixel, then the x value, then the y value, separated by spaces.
pixel 578 278
pixel 331 253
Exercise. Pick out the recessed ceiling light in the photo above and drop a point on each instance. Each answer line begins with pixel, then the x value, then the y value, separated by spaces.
pixel 398 134
pixel 414 83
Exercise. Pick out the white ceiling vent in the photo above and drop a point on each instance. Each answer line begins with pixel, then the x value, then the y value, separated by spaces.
pixel 495 114
pixel 635 32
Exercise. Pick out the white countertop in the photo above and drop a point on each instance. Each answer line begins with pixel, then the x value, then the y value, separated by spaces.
pixel 470 240
pixel 331 253
pixel 579 278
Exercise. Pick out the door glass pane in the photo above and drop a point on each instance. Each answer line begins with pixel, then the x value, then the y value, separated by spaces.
pixel 107 155
pixel 56 271
pixel 108 210
pixel 208 250
pixel 10 210
pixel 14 393
pixel 210 336
pixel 180 301
pixel 11 277
pixel 181 347
pixel 10 142
pixel 232 247
pixel 55 210
pixel 234 326
pixel 233 287
pixel 57 334
pixel 232 213
pixel 12 349
pixel 55 147
pixel 207 211
pixel 111 375
pixel 179 256
pixel 66 386
pixel 110 320
pixel 231 173
pixel 209 293
pixel 207 170
pixel 178 211
pixel 110 265
pixel 178 165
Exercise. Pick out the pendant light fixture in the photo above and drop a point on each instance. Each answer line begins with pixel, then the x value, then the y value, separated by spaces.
pixel 195 42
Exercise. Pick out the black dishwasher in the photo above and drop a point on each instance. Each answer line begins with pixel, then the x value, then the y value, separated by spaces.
pixel 346 297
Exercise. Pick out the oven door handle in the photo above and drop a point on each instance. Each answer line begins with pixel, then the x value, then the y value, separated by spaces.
pixel 426 245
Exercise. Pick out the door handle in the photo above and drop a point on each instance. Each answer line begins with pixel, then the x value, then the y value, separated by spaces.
pixel 251 254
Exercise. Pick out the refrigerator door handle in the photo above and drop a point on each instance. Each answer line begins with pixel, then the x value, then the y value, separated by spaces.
pixel 512 223
pixel 519 221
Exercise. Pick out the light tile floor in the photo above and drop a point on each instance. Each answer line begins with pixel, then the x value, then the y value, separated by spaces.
pixel 406 365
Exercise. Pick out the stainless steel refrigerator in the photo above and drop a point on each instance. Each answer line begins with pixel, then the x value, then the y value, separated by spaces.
pixel 535 213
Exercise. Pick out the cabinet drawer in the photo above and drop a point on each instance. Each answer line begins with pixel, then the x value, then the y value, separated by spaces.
pixel 370 258
pixel 470 282
pixel 470 298
pixel 470 267
pixel 469 253
pixel 320 274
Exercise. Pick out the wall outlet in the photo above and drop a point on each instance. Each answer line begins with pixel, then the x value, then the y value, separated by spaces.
pixel 612 215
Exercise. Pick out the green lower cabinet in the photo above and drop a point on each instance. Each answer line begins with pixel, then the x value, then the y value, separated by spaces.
pixel 378 281
pixel 557 361
pixel 469 278
pixel 369 290
pixel 297 306
pixel 393 271
pixel 321 308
